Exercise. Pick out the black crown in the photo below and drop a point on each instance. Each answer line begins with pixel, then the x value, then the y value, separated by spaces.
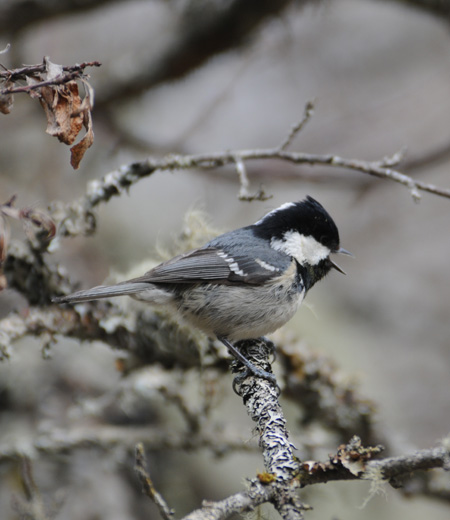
pixel 308 217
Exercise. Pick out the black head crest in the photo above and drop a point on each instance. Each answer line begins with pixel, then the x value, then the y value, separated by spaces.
pixel 308 217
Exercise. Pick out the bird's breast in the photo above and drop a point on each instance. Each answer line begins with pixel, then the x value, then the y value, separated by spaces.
pixel 243 311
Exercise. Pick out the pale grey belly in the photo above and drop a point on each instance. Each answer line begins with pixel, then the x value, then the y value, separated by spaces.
pixel 239 312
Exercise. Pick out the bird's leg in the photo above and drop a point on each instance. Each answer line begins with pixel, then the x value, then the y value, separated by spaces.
pixel 256 371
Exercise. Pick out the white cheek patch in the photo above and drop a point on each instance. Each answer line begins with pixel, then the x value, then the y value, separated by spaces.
pixel 305 249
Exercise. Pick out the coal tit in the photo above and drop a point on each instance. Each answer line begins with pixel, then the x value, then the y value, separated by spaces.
pixel 245 283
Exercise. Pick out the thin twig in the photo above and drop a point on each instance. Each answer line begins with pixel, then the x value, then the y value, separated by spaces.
pixel 147 484
pixel 309 110
pixel 32 506
pixel 59 80
pixel 77 218
pixel 32 70
pixel 244 193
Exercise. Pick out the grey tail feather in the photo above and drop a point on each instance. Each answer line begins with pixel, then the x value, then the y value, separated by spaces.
pixel 103 291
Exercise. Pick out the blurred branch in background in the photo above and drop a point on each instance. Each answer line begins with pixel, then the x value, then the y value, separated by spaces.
pixel 17 15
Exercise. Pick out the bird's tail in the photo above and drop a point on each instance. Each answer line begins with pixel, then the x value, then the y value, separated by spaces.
pixel 103 291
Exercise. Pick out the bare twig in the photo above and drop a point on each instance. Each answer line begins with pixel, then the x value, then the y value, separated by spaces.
pixel 32 507
pixel 59 80
pixel 244 193
pixel 72 72
pixel 78 217
pixel 147 484
pixel 394 467
pixel 296 129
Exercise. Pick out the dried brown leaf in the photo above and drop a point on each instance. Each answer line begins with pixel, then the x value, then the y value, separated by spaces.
pixel 80 148
pixel 62 108
pixel 354 455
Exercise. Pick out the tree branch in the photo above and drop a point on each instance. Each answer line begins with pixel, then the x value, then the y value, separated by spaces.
pixel 243 502
pixel 77 218
pixel 261 400
pixel 147 484
pixel 70 72
pixel 352 462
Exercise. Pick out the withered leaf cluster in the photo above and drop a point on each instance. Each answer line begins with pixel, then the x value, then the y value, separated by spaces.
pixel 58 90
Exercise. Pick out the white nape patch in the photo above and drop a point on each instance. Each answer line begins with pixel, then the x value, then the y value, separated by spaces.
pixel 265 265
pixel 232 264
pixel 305 249
pixel 276 210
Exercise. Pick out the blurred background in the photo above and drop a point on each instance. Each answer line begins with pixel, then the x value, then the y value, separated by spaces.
pixel 202 76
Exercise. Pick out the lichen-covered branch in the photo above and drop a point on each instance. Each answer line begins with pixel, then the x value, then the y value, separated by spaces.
pixel 261 400
pixel 246 501
pixel 142 332
pixel 351 462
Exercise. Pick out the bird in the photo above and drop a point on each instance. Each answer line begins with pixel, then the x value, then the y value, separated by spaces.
pixel 245 283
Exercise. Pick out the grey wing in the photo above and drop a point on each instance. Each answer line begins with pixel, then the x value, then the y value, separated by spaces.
pixel 209 264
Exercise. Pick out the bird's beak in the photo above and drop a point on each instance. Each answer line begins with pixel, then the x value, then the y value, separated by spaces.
pixel 335 266
pixel 342 251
